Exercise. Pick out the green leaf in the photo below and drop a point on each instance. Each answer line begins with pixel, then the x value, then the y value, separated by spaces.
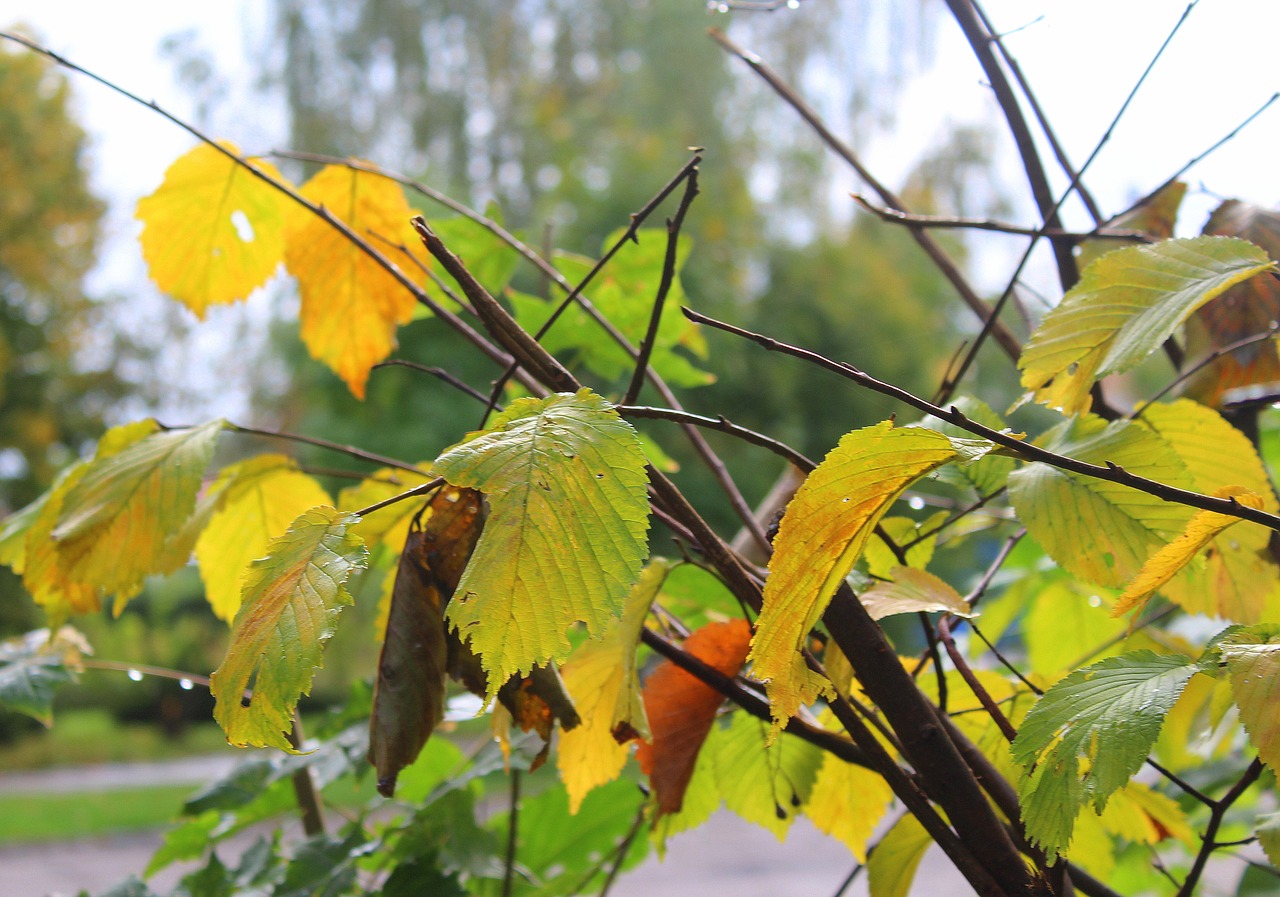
pixel 1095 529
pixel 1106 716
pixel 623 292
pixel 490 260
pixel 892 865
pixel 1252 656
pixel 765 784
pixel 117 523
pixel 324 866
pixel 1125 306
pixel 33 667
pixel 986 474
pixel 289 608
pixel 823 532
pixel 566 534
pixel 1267 828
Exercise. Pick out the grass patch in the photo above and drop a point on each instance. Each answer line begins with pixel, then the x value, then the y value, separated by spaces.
pixel 54 817
pixel 81 737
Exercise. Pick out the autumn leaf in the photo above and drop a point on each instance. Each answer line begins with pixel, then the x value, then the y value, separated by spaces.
pixel 289 609
pixel 681 709
pixel 389 525
pixel 602 680
pixel 351 306
pixel 1166 563
pixel 1153 219
pixel 1097 530
pixel 847 802
pixel 892 865
pixel 261 497
pixel 821 535
pixel 912 590
pixel 213 232
pixel 1252 657
pixel 1238 574
pixel 1125 306
pixel 118 521
pixel 565 538
pixel 765 782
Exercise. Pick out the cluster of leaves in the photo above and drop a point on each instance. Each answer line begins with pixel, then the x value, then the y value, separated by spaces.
pixel 517 564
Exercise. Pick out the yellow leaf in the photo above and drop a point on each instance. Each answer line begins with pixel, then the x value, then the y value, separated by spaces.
pixel 1165 563
pixel 847 801
pixel 1144 816
pixel 119 523
pixel 389 525
pixel 880 559
pixel 1238 575
pixel 213 232
pixel 1061 604
pixel 290 607
pixel 262 497
pixel 351 306
pixel 910 591
pixel 1252 656
pixel 892 865
pixel 821 535
pixel 601 678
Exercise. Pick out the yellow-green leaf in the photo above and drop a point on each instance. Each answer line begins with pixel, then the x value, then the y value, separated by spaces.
pixel 213 232
pixel 290 607
pixel 892 865
pixel 118 521
pixel 1098 530
pixel 1125 306
pixel 1059 604
pixel 821 535
pixel 1162 566
pixel 565 540
pixel 351 306
pixel 764 783
pixel 910 591
pixel 389 525
pixel 1238 573
pixel 1252 656
pixel 880 559
pixel 602 681
pixel 847 801
pixel 262 497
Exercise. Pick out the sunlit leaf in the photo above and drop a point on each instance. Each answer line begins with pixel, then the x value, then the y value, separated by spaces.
pixel 261 497
pixel 1139 814
pixel 1252 656
pixel 289 609
pixel 681 709
pixel 351 306
pixel 1059 604
pixel 1095 529
pixel 1267 830
pixel 1106 717
pixel 1125 306
pixel 1238 573
pixel 891 868
pixel 213 232
pixel 765 784
pixel 1166 563
pixel 985 474
pixel 409 695
pixel 602 680
pixel 117 521
pixel 821 535
pixel 880 559
pixel 910 591
pixel 565 538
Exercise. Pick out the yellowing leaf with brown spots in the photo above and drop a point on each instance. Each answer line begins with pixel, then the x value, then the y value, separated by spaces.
pixel 289 609
pixel 1168 561
pixel 351 306
pixel 263 496
pixel 601 678
pixel 213 232
pixel 821 535
pixel 1252 656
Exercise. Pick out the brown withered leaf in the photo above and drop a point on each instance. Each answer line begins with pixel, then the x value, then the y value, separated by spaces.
pixel 681 709
pixel 1245 309
pixel 409 696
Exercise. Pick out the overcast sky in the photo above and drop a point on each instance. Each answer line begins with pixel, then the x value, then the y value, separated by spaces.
pixel 1081 56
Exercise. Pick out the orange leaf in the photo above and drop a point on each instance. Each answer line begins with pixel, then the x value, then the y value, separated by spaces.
pixel 351 305
pixel 682 709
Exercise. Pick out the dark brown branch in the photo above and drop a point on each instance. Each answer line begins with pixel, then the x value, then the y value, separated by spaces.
pixel 1216 813
pixel 439 373
pixel 403 496
pixel 349 450
pixel 304 787
pixel 722 425
pixel 939 256
pixel 1024 450
pixel 944 222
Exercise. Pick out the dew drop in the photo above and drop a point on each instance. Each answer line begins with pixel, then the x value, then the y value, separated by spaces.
pixel 135 675
pixel 186 684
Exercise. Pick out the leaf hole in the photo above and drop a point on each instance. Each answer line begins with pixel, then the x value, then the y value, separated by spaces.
pixel 599 476
pixel 244 229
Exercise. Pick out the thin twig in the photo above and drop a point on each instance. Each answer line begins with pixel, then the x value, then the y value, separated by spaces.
pixel 624 847
pixel 403 496
pixel 939 256
pixel 966 673
pixel 348 450
pixel 720 424
pixel 1217 811
pixel 1209 359
pixel 1022 449
pixel 664 287
pixel 513 820
pixel 949 222
pixel 437 372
